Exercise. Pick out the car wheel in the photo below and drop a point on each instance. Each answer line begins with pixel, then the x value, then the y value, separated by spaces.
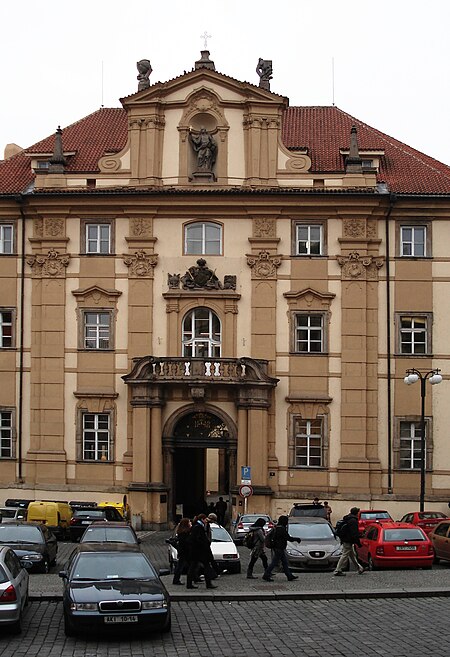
pixel 436 559
pixel 168 626
pixel 16 628
pixel 68 627
pixel 236 569
pixel 370 563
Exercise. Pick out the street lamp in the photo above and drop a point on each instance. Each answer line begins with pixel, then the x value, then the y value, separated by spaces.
pixel 412 376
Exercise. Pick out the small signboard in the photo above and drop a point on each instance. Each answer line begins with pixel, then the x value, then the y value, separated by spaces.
pixel 246 475
pixel 245 490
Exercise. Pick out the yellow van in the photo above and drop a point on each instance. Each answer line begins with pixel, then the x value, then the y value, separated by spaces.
pixel 122 508
pixel 55 515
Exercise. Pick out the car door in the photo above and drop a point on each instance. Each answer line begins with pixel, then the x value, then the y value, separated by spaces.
pixel 368 541
pixel 441 540
pixel 19 575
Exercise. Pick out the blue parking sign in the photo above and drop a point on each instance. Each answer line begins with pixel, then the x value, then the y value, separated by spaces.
pixel 246 472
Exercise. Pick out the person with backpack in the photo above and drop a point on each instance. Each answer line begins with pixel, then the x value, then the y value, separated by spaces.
pixel 348 533
pixel 277 540
pixel 254 540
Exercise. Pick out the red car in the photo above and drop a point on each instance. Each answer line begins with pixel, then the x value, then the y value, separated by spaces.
pixel 395 545
pixel 368 516
pixel 426 520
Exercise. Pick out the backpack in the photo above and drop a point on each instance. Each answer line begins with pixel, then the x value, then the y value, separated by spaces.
pixel 269 539
pixel 249 539
pixel 341 528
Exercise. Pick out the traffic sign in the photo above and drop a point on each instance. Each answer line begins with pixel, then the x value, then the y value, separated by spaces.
pixel 246 475
pixel 245 490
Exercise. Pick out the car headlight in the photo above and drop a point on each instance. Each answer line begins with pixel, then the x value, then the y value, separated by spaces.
pixel 155 604
pixel 337 551
pixel 294 553
pixel 83 606
pixel 32 557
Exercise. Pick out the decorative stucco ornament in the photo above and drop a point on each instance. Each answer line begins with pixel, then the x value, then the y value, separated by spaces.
pixel 50 266
pixel 141 264
pixel 264 264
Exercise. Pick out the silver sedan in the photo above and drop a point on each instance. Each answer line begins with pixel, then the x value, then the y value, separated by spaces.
pixel 13 589
pixel 319 548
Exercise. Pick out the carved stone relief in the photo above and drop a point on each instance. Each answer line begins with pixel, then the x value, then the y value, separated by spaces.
pixel 38 227
pixel 141 227
pixel 141 264
pixel 264 227
pixel 51 265
pixel 53 227
pixel 354 227
pixel 355 266
pixel 200 277
pixel 264 265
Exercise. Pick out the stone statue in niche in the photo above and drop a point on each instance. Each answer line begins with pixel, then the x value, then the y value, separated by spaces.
pixel 205 146
pixel 264 70
pixel 145 68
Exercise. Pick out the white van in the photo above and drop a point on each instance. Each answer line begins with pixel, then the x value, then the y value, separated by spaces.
pixel 12 513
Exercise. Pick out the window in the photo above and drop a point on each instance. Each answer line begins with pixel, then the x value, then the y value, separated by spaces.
pixel 308 239
pixel 308 442
pixel 201 334
pixel 309 333
pixel 96 437
pixel 414 334
pixel 413 241
pixel 6 329
pixel 203 238
pixel 6 434
pixel 98 238
pixel 410 440
pixel 6 238
pixel 97 330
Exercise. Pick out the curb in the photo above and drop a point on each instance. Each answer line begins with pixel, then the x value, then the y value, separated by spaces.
pixel 283 595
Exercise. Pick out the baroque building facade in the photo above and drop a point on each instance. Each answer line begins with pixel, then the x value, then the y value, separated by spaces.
pixel 207 279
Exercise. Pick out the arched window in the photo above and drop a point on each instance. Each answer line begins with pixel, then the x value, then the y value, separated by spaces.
pixel 201 334
pixel 203 238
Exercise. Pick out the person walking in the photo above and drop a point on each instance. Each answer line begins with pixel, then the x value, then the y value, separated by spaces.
pixel 258 550
pixel 200 553
pixel 182 544
pixel 221 510
pixel 328 510
pixel 280 538
pixel 349 537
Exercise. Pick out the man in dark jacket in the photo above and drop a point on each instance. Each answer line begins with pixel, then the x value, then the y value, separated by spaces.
pixel 280 539
pixel 349 537
pixel 199 553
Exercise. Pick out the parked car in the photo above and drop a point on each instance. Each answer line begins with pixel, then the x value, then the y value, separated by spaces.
pixel 319 547
pixel 368 516
pixel 223 548
pixel 440 539
pixel 395 545
pixel 426 520
pixel 12 501
pixel 122 508
pixel 300 510
pixel 13 589
pixel 245 521
pixel 55 515
pixel 112 585
pixel 81 518
pixel 32 542
pixel 109 532
pixel 11 513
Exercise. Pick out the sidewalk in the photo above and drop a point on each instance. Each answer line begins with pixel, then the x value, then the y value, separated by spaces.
pixel 308 586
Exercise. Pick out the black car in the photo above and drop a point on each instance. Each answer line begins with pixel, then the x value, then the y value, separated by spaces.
pixel 300 510
pixel 82 518
pixel 112 585
pixel 32 542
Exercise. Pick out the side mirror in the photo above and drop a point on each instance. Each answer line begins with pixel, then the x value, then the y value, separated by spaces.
pixel 26 564
pixel 63 574
pixel 163 571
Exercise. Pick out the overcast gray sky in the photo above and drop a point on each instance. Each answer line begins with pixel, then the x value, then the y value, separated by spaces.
pixel 60 61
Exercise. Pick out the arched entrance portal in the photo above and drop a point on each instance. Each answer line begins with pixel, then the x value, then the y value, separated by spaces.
pixel 200 458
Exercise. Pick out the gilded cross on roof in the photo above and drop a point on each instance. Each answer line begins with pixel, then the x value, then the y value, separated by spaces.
pixel 205 36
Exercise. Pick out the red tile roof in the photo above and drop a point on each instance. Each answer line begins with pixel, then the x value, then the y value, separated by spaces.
pixel 322 130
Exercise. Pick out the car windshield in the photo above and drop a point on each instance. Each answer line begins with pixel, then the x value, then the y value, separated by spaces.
pixel 108 534
pixel 219 534
pixel 311 531
pixel 20 534
pixel 89 513
pixel 375 515
pixel 250 520
pixel 392 535
pixel 101 566
pixel 8 513
pixel 429 515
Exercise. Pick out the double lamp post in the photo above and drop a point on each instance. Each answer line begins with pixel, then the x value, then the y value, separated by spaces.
pixel 434 377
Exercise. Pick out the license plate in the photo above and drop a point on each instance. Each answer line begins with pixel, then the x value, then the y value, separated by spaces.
pixel 406 548
pixel 85 522
pixel 121 619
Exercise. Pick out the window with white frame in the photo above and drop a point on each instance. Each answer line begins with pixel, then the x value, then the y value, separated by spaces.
pixel 413 241
pixel 6 434
pixel 308 239
pixel 96 437
pixel 201 334
pixel 203 238
pixel 308 442
pixel 414 334
pixel 98 238
pixel 6 328
pixel 96 330
pixel 410 445
pixel 309 333
pixel 6 238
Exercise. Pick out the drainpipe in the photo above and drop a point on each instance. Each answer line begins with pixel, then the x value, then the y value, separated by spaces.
pixel 20 201
pixel 392 201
